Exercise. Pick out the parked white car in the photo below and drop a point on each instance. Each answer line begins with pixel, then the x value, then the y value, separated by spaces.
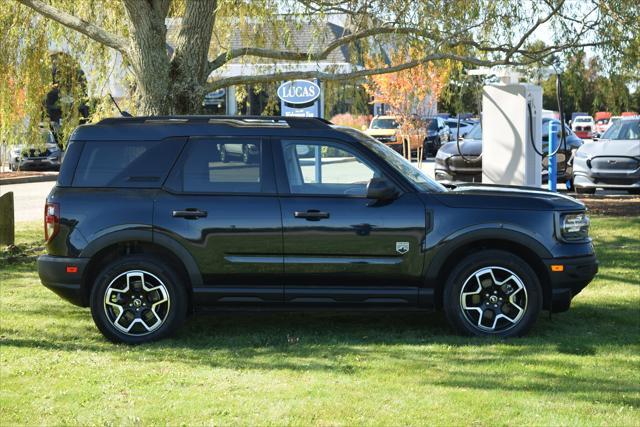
pixel 612 162
pixel 583 126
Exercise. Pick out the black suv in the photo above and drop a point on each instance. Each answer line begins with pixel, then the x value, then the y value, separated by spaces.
pixel 147 223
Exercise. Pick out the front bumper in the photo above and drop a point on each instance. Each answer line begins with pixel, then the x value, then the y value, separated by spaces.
pixel 605 172
pixel 447 177
pixel 583 134
pixel 38 164
pixel 68 285
pixel 577 273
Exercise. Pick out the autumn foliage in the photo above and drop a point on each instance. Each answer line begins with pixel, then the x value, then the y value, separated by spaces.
pixel 410 94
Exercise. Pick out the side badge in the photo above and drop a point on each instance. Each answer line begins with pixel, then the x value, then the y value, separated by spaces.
pixel 402 247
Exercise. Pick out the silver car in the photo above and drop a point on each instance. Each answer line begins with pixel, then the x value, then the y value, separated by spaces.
pixel 612 162
pixel 47 156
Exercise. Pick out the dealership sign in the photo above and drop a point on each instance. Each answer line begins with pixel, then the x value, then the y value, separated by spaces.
pixel 298 92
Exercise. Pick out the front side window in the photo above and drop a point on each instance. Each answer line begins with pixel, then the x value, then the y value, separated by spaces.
pixel 417 177
pixel 219 166
pixel 326 168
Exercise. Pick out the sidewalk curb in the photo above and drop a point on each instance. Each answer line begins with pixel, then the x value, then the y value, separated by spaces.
pixel 28 179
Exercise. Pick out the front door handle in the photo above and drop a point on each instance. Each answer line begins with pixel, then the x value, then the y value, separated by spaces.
pixel 311 215
pixel 189 213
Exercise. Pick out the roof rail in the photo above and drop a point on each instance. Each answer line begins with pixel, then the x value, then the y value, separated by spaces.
pixel 236 121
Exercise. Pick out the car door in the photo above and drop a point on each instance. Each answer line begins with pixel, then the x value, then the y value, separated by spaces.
pixel 339 246
pixel 227 215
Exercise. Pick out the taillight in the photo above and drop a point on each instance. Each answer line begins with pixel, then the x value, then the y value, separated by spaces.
pixel 51 220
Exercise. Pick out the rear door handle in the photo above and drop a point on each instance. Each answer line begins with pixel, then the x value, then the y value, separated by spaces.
pixel 311 215
pixel 190 213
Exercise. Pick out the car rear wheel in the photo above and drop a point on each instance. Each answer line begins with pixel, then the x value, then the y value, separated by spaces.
pixel 492 293
pixel 137 299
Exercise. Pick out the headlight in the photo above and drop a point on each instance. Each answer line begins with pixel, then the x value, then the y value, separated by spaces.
pixel 574 226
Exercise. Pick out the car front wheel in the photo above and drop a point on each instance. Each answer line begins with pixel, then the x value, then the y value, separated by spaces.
pixel 138 299
pixel 492 293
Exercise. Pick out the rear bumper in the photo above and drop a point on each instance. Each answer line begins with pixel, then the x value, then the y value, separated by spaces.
pixel 578 273
pixel 68 285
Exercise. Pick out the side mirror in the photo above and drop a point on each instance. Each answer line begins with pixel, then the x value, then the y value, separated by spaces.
pixel 381 190
pixel 364 127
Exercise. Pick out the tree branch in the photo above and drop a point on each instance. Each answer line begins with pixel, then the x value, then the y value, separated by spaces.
pixel 225 57
pixel 326 76
pixel 534 27
pixel 88 29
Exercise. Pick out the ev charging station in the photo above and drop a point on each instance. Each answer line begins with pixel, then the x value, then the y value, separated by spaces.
pixel 511 117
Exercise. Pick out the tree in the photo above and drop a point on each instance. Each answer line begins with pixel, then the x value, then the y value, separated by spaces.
pixel 168 80
pixel 411 95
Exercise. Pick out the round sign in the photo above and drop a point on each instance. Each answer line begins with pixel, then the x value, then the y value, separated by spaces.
pixel 298 92
pixel 215 94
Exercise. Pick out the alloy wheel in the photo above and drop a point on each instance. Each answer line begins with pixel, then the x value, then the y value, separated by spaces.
pixel 493 299
pixel 136 302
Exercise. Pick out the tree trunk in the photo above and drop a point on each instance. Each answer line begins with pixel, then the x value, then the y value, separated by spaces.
pixel 7 220
pixel 148 58
pixel 189 65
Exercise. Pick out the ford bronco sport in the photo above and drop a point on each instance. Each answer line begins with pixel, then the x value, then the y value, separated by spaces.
pixel 150 220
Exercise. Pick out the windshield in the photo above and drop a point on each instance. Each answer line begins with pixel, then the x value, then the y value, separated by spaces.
pixel 475 132
pixel 583 119
pixel 417 177
pixel 623 129
pixel 432 124
pixel 384 124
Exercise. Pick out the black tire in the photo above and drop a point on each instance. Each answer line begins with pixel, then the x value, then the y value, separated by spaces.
pixel 224 157
pixel 170 315
pixel 589 190
pixel 517 318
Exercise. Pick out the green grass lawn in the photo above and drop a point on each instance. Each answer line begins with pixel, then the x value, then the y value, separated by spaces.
pixel 576 368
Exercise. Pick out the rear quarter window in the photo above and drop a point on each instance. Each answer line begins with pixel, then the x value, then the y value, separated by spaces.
pixel 126 164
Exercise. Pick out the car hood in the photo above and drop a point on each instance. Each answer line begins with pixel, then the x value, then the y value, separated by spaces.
pixel 381 132
pixel 608 147
pixel 507 197
pixel 468 147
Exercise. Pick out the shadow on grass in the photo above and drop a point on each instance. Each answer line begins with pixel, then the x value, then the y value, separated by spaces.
pixel 578 332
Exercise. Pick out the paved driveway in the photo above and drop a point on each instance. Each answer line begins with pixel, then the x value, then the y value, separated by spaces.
pixel 28 199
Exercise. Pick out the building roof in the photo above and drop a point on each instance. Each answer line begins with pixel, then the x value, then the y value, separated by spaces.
pixel 287 33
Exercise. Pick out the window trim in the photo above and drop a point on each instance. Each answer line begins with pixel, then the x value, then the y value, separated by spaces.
pixel 282 179
pixel 267 174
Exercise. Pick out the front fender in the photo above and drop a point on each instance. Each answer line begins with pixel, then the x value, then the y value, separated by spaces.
pixel 438 253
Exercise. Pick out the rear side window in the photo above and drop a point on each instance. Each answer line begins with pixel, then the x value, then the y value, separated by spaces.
pixel 136 164
pixel 225 165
